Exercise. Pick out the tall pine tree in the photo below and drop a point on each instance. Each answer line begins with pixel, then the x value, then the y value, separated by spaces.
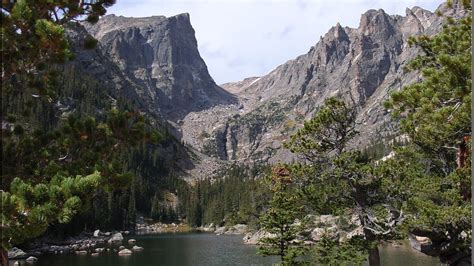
pixel 431 177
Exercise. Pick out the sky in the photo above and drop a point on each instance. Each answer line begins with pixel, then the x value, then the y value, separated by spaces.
pixel 247 38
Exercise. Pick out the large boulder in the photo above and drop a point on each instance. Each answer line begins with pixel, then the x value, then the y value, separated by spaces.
pixel 16 253
pixel 209 228
pixel 240 228
pixel 220 230
pixel 125 252
pixel 137 248
pixel 99 250
pixel 116 238
pixel 328 219
pixel 255 237
pixel 317 234
pixel 31 259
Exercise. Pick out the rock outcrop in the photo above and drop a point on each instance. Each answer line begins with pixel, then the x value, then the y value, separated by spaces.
pixel 125 252
pixel 362 65
pixel 247 121
pixel 161 56
pixel 334 227
pixel 16 253
pixel 116 238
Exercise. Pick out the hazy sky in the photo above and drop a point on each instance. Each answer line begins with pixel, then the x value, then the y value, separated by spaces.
pixel 245 38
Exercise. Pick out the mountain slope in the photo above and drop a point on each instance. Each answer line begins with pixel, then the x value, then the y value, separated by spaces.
pixel 250 119
pixel 161 56
pixel 362 65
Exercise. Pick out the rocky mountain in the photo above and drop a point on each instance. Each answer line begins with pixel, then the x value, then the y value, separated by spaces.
pixel 362 65
pixel 161 56
pixel 155 63
pixel 249 120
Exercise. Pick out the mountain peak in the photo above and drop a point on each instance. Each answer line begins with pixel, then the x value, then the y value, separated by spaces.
pixel 183 15
pixel 375 21
pixel 160 54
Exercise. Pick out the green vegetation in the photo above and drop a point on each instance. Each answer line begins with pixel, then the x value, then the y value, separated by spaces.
pixel 76 154
pixel 237 196
pixel 330 252
pixel 424 190
pixel 33 37
pixel 431 177
pixel 284 219
pixel 337 180
pixel 28 209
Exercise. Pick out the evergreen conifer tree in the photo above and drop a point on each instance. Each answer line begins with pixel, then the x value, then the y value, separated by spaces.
pixel 430 178
pixel 283 220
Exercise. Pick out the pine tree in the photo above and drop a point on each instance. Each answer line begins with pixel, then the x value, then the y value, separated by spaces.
pixel 33 37
pixel 283 220
pixel 336 180
pixel 430 178
pixel 28 210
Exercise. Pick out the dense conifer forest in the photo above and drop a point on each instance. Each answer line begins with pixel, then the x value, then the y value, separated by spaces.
pixel 79 155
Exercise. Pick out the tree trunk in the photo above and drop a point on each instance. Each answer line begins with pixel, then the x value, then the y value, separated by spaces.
pixel 463 152
pixel 4 257
pixel 374 257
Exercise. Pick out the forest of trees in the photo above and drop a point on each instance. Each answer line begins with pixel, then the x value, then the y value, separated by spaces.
pixel 76 155
pixel 75 160
pixel 424 190
pixel 236 197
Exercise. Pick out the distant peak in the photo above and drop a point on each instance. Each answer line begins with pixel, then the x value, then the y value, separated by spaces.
pixel 373 12
pixel 182 18
pixel 339 31
pixel 374 20
pixel 416 10
pixel 183 15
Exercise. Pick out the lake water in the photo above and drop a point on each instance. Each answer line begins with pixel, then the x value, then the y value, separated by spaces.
pixel 207 249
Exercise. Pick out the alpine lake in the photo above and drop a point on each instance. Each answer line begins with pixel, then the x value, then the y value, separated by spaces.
pixel 208 249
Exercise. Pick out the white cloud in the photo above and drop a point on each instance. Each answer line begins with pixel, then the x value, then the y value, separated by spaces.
pixel 243 38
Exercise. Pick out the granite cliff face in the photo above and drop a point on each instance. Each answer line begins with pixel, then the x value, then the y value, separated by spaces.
pixel 362 65
pixel 249 120
pixel 161 56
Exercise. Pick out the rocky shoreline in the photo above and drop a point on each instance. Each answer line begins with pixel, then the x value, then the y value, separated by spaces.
pixel 160 228
pixel 337 228
pixel 122 243
pixel 94 243
pixel 85 244
pixel 318 226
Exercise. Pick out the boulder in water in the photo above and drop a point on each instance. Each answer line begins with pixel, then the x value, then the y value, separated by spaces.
pixel 31 259
pixel 125 252
pixel 137 248
pixel 116 238
pixel 220 230
pixel 16 253
pixel 99 250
